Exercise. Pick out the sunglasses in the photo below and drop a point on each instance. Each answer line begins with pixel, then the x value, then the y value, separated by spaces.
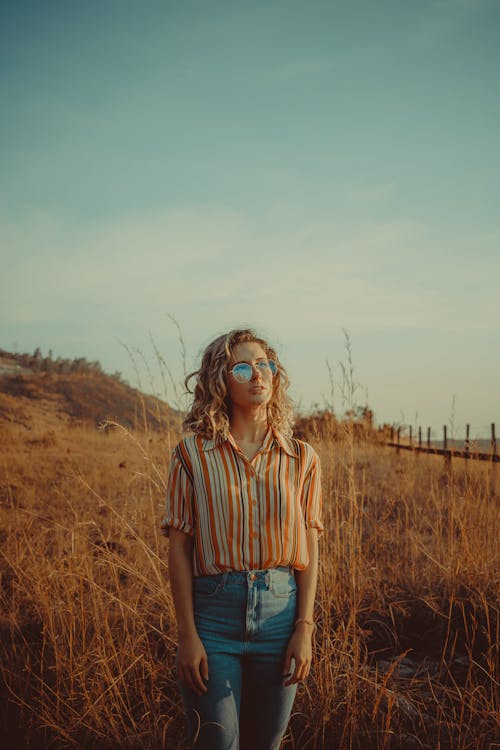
pixel 242 372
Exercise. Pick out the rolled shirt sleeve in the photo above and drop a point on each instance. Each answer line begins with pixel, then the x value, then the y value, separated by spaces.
pixel 312 495
pixel 179 502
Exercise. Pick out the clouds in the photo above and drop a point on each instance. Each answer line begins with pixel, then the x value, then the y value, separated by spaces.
pixel 366 277
pixel 116 258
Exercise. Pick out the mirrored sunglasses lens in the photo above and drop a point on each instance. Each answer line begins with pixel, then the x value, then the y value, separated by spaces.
pixel 242 372
pixel 266 367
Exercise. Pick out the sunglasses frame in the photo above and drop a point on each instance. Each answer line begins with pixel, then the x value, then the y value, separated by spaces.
pixel 262 365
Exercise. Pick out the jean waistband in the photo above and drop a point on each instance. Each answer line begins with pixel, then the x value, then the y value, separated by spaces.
pixel 251 576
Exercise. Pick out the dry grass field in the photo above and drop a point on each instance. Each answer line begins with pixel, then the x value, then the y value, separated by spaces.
pixel 406 651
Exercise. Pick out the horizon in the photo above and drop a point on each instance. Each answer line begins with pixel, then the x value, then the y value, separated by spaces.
pixel 299 170
pixel 176 398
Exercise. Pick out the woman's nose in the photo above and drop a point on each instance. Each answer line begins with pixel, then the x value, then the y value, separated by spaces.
pixel 256 372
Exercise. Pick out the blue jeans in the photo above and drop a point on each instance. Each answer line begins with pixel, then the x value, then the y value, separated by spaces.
pixel 244 620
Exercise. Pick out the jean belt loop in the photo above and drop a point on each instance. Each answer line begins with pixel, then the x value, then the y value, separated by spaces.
pixel 268 578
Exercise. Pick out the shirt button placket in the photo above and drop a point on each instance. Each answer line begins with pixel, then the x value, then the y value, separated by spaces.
pixel 255 517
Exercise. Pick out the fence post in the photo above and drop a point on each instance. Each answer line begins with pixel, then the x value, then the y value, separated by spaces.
pixel 447 453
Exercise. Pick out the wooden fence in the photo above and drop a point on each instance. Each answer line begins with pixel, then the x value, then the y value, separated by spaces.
pixel 412 443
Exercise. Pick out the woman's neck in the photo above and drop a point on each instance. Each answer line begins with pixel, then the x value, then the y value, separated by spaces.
pixel 248 426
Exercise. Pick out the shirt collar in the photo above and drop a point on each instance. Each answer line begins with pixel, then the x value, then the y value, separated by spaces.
pixel 272 439
pixel 285 443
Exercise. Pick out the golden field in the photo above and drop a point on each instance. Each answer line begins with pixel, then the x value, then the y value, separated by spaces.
pixel 406 650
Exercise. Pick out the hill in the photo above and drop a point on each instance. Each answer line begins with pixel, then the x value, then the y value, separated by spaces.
pixel 36 390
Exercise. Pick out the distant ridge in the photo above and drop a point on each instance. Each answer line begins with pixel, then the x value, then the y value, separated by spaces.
pixel 43 390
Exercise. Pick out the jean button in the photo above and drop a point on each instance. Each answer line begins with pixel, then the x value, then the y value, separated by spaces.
pixel 253 576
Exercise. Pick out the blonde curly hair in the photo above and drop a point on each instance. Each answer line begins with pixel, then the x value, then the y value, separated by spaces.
pixel 210 411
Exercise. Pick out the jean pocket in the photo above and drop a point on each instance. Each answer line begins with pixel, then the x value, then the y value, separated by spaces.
pixel 283 586
pixel 206 586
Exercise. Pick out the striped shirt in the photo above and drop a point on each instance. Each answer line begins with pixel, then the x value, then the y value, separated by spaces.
pixel 244 515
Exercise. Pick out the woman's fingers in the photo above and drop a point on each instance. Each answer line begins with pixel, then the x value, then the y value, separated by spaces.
pixel 287 664
pixel 197 680
pixel 303 672
pixel 193 675
pixel 300 672
pixel 192 664
pixel 204 668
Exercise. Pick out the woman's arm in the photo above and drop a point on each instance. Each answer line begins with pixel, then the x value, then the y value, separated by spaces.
pixel 300 644
pixel 192 663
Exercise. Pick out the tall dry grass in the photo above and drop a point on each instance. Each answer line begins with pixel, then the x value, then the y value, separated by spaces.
pixel 406 652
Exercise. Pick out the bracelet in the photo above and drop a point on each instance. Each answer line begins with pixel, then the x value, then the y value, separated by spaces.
pixel 306 622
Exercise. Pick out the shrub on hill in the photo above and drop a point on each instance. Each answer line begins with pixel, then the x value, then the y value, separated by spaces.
pixel 38 363
pixel 82 391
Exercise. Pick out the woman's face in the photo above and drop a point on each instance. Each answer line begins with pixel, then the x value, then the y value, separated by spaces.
pixel 259 389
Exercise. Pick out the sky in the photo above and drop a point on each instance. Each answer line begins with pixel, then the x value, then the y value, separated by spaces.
pixel 302 168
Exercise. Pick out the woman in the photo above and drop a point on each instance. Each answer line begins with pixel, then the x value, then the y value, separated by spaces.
pixel 243 517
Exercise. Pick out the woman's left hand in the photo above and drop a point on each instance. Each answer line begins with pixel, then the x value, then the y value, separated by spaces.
pixel 300 650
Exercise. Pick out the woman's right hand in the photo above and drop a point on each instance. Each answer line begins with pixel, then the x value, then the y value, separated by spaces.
pixel 192 663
